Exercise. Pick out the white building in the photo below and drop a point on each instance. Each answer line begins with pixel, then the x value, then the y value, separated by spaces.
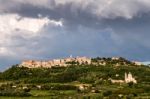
pixel 129 78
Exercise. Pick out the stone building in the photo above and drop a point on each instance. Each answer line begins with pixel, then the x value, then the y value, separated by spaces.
pixel 137 63
pixel 116 81
pixel 129 78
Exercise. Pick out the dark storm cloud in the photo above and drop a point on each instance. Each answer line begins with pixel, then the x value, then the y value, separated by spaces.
pixel 74 14
pixel 90 28
pixel 73 17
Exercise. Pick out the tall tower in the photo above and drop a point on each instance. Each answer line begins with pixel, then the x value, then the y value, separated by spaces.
pixel 126 77
pixel 71 56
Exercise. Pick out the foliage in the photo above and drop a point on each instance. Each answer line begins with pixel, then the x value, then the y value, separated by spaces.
pixel 63 79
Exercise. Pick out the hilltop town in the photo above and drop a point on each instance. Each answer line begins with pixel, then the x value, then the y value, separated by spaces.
pixel 115 61
pixel 55 62
pixel 93 78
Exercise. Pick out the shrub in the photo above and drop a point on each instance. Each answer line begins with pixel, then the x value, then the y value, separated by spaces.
pixel 58 87
pixel 10 92
pixel 107 93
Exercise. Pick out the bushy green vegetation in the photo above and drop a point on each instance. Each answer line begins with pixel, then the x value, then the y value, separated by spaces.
pixel 65 81
pixel 83 73
pixel 110 61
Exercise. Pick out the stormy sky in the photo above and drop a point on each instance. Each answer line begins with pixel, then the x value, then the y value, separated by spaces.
pixel 47 29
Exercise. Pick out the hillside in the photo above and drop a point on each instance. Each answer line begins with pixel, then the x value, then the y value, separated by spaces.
pixel 104 77
pixel 64 62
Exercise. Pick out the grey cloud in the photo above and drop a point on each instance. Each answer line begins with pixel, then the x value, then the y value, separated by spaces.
pixel 79 12
pixel 99 8
pixel 120 29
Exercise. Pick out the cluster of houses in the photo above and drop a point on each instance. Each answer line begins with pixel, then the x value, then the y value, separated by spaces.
pixel 65 62
pixel 55 62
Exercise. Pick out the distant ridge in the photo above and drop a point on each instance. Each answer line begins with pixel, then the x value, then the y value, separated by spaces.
pixel 146 63
pixel 115 61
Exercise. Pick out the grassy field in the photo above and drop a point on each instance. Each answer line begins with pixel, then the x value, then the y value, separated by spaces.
pixel 52 92
pixel 42 97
